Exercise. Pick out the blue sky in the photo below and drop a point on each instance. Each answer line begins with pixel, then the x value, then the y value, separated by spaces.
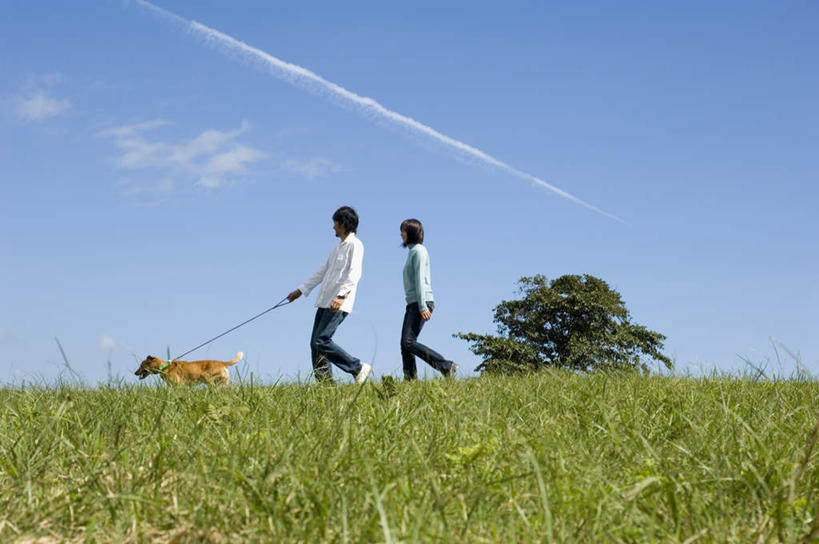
pixel 157 190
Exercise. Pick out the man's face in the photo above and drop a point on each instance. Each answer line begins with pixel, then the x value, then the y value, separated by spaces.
pixel 339 229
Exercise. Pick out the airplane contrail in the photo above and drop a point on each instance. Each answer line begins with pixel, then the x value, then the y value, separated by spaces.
pixel 303 77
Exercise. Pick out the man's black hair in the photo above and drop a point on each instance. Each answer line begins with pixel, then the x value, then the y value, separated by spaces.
pixel 414 230
pixel 347 218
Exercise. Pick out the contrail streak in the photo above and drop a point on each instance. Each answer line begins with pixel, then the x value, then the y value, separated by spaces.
pixel 303 77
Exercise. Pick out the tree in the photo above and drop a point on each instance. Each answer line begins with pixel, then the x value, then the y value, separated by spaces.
pixel 573 322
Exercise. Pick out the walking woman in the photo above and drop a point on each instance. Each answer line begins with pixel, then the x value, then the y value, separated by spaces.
pixel 420 305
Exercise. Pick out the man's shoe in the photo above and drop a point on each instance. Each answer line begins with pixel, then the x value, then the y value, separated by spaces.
pixel 449 374
pixel 364 373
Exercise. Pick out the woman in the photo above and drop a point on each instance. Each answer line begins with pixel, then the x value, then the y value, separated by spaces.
pixel 420 305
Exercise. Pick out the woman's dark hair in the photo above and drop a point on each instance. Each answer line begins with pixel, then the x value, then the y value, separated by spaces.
pixel 414 230
pixel 347 218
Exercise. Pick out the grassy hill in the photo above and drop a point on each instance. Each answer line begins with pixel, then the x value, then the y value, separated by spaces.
pixel 552 457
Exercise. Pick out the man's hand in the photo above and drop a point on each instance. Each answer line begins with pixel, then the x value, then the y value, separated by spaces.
pixel 425 315
pixel 294 295
pixel 335 304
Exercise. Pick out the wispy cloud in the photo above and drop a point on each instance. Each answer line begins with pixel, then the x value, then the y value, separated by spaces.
pixel 209 160
pixel 8 339
pixel 39 106
pixel 155 190
pixel 226 163
pixel 47 79
pixel 37 100
pixel 312 168
pixel 304 78
pixel 107 343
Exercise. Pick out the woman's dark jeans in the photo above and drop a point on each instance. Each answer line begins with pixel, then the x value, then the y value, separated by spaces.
pixel 410 347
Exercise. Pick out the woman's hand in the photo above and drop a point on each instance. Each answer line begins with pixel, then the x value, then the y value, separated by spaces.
pixel 425 315
pixel 335 304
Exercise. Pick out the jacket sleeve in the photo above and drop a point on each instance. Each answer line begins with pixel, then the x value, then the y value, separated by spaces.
pixel 315 279
pixel 419 266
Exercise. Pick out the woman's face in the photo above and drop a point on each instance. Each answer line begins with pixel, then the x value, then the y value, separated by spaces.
pixel 403 236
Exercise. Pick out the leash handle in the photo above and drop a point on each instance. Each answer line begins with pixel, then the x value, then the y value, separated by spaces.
pixel 283 302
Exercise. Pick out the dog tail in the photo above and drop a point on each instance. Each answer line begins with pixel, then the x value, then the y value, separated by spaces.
pixel 238 358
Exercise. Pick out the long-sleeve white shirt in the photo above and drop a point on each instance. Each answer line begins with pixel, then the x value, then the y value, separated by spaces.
pixel 338 275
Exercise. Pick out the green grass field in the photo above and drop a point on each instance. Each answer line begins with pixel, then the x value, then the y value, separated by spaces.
pixel 553 457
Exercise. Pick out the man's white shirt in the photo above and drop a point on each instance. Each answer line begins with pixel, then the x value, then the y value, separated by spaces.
pixel 339 275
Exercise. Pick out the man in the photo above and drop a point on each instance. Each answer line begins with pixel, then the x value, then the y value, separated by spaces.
pixel 339 277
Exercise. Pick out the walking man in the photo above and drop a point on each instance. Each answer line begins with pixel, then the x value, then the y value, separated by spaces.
pixel 338 276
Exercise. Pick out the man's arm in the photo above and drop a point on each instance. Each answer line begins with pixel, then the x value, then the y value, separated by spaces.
pixel 310 284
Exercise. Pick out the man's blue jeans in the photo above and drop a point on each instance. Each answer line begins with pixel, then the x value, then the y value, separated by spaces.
pixel 324 350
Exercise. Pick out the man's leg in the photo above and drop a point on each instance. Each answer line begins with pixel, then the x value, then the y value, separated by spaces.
pixel 321 368
pixel 331 351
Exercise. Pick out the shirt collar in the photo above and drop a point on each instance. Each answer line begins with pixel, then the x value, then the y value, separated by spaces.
pixel 349 239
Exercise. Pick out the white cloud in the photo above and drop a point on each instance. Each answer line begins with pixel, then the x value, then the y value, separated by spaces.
pixel 228 162
pixel 130 130
pixel 107 343
pixel 313 168
pixel 209 160
pixel 36 100
pixel 7 339
pixel 48 79
pixel 38 106
pixel 209 141
pixel 157 188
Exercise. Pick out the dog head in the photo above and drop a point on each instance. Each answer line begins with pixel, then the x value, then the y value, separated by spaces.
pixel 149 366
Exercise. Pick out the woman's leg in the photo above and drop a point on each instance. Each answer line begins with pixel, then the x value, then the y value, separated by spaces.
pixel 409 332
pixel 410 345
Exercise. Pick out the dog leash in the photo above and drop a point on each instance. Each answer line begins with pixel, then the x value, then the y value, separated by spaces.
pixel 282 302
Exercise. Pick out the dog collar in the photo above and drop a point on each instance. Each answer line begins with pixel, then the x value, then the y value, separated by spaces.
pixel 166 365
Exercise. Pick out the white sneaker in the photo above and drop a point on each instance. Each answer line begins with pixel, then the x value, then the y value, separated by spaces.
pixel 364 373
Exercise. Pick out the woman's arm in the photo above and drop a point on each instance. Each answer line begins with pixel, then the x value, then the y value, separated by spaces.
pixel 420 264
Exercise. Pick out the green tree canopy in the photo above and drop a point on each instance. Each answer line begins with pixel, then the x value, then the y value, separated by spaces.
pixel 573 322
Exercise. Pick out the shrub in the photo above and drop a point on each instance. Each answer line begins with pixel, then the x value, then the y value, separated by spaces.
pixel 573 322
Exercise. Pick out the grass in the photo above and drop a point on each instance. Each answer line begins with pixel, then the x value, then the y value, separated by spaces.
pixel 554 457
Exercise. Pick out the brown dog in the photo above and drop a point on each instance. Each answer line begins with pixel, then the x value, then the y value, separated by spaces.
pixel 187 373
